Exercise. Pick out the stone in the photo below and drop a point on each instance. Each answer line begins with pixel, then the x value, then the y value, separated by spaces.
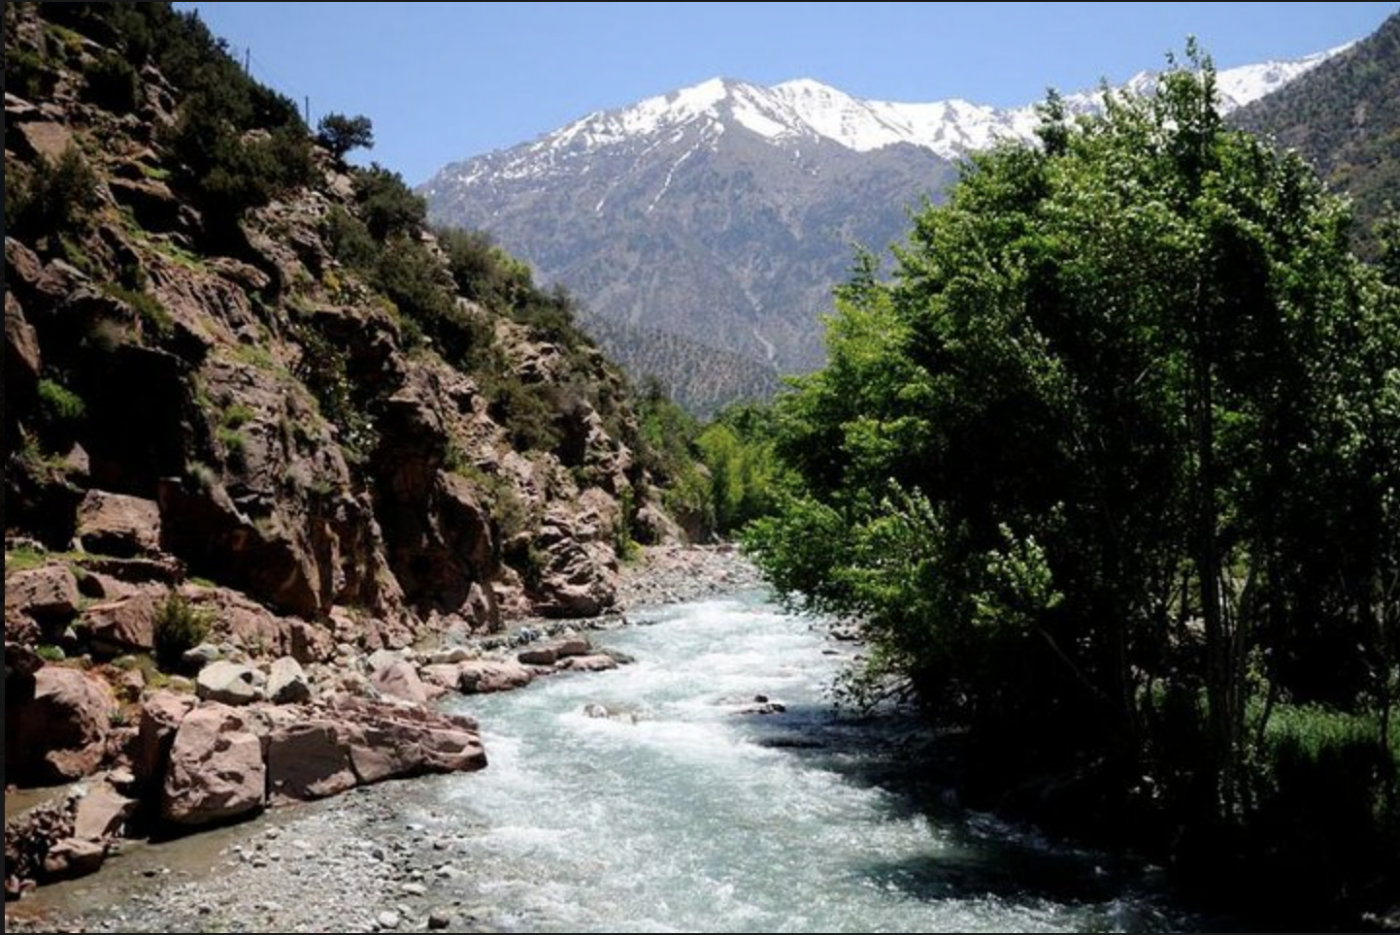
pixel 197 657
pixel 450 655
pixel 216 769
pixel 442 675
pixel 482 676
pixel 161 714
pixel 23 361
pixel 547 654
pixel 119 525
pixel 439 919
pixel 229 683
pixel 57 731
pixel 102 812
pixel 597 662
pixel 400 679
pixel 124 625
pixel 46 593
pixel 50 140
pixel 308 761
pixel 287 682
pixel 388 919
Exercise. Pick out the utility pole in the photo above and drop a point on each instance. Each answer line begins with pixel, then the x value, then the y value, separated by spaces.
pixel 247 59
pixel 307 109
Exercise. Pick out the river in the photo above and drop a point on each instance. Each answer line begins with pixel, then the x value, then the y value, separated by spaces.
pixel 673 814
pixel 680 815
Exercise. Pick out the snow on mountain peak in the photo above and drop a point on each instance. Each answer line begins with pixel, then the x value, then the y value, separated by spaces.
pixel 807 109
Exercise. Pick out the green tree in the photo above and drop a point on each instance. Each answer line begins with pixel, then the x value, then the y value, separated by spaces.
pixel 1114 440
pixel 340 134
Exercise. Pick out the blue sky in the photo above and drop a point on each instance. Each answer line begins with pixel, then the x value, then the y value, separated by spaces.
pixel 444 81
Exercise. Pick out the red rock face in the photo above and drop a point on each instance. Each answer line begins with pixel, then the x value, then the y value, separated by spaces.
pixel 57 731
pixel 216 769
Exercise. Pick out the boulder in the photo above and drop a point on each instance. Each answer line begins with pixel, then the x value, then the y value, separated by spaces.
pixel 307 761
pixel 597 662
pixel 43 138
pixel 102 812
pixel 229 683
pixel 22 358
pixel 482 676
pixel 287 682
pixel 391 741
pixel 216 769
pixel 451 655
pixel 124 625
pixel 197 657
pixel 547 654
pixel 161 715
pixel 44 594
pixel 444 675
pixel 117 524
pixel 400 679
pixel 347 741
pixel 59 732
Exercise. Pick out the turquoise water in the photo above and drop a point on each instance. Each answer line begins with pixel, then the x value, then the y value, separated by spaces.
pixel 676 814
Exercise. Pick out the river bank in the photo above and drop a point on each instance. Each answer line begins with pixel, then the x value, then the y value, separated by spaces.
pixel 661 575
pixel 648 797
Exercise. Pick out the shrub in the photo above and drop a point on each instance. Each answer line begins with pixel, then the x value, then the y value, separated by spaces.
pixel 59 405
pixel 387 205
pixel 26 74
pixel 58 197
pixel 112 83
pixel 179 627
pixel 155 317
pixel 349 239
pixel 50 653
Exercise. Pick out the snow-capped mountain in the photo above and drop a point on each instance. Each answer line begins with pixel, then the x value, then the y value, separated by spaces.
pixel 725 212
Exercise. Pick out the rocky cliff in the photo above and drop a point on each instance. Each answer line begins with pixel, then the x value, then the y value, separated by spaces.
pixel 259 417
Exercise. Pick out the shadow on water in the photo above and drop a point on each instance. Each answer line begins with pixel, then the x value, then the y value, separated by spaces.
pixel 983 856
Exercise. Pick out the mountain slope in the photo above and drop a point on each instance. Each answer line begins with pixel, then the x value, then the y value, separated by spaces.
pixel 725 212
pixel 267 358
pixel 1345 118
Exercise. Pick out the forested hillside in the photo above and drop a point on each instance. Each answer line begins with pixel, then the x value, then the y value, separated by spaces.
pixel 1344 117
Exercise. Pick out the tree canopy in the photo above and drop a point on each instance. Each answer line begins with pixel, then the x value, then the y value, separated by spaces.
pixel 1110 469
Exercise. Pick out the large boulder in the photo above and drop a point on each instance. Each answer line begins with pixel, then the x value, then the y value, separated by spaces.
pixel 216 769
pixel 308 760
pixel 229 683
pixel 117 524
pixel 46 593
pixel 125 625
pixel 482 676
pixel 400 680
pixel 347 741
pixel 287 682
pixel 161 716
pixel 57 732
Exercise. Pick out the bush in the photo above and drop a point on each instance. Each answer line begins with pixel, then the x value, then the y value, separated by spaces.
pixel 349 239
pixel 58 197
pixel 340 134
pixel 112 83
pixel 155 317
pixel 26 74
pixel 483 271
pixel 59 405
pixel 387 205
pixel 179 627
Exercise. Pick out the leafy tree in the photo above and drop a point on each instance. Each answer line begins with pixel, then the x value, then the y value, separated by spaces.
pixel 340 134
pixel 1115 440
pixel 387 205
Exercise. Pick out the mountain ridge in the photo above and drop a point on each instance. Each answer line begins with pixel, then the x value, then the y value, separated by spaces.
pixel 724 212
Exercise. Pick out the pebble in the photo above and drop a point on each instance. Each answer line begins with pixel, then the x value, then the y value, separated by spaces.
pixel 414 889
pixel 439 920
pixel 388 919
